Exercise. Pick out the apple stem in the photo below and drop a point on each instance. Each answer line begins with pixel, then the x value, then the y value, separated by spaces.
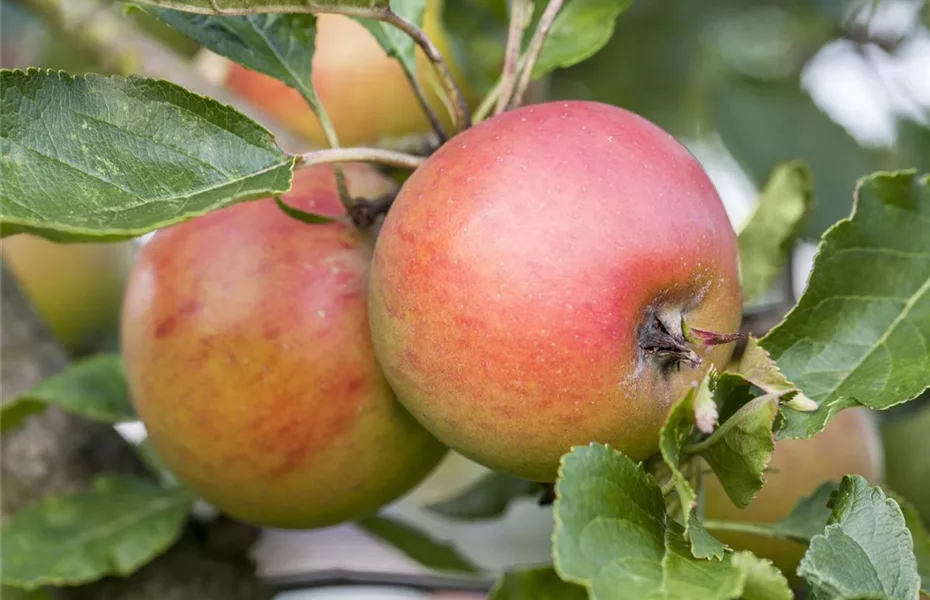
pixel 460 111
pixel 520 14
pixel 425 105
pixel 533 52
pixel 391 158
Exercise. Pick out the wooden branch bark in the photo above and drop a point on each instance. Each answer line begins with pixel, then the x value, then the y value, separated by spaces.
pixel 55 452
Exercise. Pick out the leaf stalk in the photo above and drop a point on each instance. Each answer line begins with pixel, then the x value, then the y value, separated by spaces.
pixel 534 50
pixel 391 158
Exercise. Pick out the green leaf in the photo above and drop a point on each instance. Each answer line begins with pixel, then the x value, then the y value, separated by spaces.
pixel 114 528
pixel 763 580
pixel 732 391
pixel 672 438
pixel 865 551
pixel 613 537
pixel 94 388
pixel 703 543
pixel 417 545
pixel 540 583
pixel 110 158
pixel 766 241
pixel 488 498
pixel 581 29
pixel 245 7
pixel 395 42
pixel 758 368
pixel 278 45
pixel 921 540
pixel 860 332
pixel 809 516
pixel 741 448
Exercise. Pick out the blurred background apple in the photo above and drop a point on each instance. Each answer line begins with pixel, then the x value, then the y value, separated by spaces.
pixel 77 289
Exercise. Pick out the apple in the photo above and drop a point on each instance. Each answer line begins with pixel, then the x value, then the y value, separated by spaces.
pixel 365 92
pixel 76 289
pixel 535 280
pixel 249 359
pixel 850 444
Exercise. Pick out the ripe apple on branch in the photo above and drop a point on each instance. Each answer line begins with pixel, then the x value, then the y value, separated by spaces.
pixel 555 292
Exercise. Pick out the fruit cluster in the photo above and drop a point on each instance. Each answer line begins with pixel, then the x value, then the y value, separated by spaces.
pixel 531 288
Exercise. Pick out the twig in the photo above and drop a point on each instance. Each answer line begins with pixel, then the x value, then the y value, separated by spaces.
pixel 460 112
pixel 373 155
pixel 519 21
pixel 420 93
pixel 535 48
pixel 488 102
pixel 114 42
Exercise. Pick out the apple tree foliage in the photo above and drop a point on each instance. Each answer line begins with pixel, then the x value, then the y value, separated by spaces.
pixel 94 157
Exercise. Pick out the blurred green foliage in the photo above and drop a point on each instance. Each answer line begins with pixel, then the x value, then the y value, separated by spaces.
pixel 733 67
pixel 28 41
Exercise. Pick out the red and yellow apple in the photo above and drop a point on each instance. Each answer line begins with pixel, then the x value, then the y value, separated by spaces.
pixel 249 358
pixel 530 282
pixel 76 289
pixel 365 92
pixel 850 444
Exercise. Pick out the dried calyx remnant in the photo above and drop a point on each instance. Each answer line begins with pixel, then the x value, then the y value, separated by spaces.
pixel 666 336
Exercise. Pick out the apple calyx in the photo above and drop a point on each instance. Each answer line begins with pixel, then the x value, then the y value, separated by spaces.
pixel 667 335
pixel 663 339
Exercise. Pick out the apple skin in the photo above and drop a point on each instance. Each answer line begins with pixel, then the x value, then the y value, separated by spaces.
pixel 77 289
pixel 516 268
pixel 247 349
pixel 850 444
pixel 347 61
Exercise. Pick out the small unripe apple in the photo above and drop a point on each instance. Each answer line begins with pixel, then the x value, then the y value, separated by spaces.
pixel 365 92
pixel 76 289
pixel 248 354
pixel 534 282
pixel 850 444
